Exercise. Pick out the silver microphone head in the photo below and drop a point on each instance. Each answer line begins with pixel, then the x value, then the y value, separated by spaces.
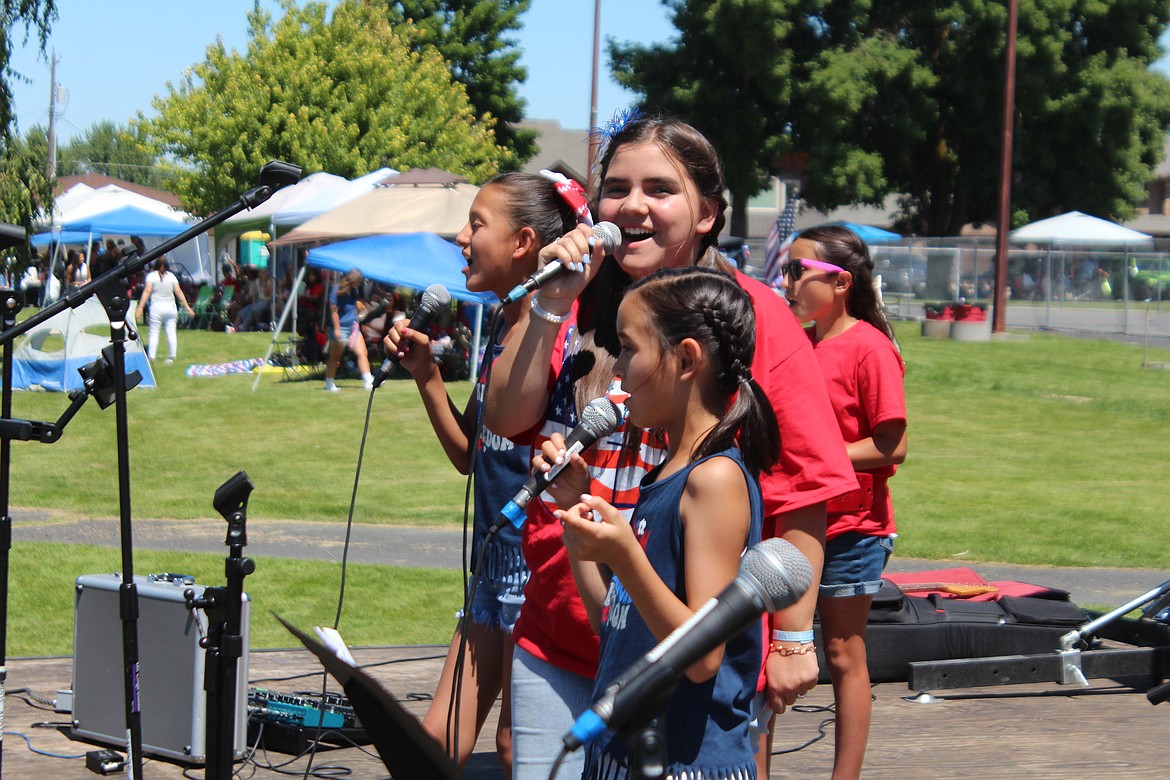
pixel 782 571
pixel 602 415
pixel 435 296
pixel 609 234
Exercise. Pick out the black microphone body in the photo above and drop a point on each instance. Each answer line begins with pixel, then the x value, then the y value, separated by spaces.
pixel 608 233
pixel 773 575
pixel 434 299
pixel 600 418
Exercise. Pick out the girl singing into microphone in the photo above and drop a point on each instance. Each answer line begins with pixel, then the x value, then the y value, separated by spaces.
pixel 511 218
pixel 687 340
pixel 661 183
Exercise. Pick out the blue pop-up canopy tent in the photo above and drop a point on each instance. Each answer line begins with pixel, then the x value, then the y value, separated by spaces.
pixel 868 233
pixel 127 220
pixel 415 260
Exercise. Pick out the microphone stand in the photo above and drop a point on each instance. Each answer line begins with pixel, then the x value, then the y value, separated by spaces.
pixel 109 288
pixel 645 738
pixel 13 302
pixel 224 642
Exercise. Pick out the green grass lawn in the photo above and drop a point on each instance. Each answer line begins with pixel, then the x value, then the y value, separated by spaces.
pixel 1042 450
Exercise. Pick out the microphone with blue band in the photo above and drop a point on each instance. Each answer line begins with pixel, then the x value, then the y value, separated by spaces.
pixel 772 575
pixel 610 236
pixel 599 419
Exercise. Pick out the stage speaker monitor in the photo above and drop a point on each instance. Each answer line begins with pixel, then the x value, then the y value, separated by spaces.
pixel 171 667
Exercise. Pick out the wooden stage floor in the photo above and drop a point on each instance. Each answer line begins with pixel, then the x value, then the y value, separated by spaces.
pixel 1033 731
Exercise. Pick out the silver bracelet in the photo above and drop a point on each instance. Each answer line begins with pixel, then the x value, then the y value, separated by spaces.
pixel 548 316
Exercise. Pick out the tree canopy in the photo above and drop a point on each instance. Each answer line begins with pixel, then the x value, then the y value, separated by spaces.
pixel 24 189
pixel 342 93
pixel 472 36
pixel 731 75
pixel 114 150
pixel 34 17
pixel 905 98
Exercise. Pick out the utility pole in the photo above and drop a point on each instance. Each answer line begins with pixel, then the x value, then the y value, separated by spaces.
pixel 593 96
pixel 1004 223
pixel 52 166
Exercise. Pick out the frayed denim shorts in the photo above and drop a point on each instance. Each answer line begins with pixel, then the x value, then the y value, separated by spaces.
pixel 500 591
pixel 854 563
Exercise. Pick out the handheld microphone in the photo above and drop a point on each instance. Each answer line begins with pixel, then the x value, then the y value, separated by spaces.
pixel 434 299
pixel 610 236
pixel 772 575
pixel 600 418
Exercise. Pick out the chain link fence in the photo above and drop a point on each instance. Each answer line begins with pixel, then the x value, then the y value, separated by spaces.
pixel 1090 290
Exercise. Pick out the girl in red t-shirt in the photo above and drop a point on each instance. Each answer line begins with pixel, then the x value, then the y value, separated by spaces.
pixel 829 283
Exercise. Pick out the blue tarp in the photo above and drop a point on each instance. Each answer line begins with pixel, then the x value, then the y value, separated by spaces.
pixel 415 260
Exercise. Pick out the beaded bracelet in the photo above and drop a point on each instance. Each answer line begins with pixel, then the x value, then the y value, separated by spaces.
pixel 792 636
pixel 548 316
pixel 787 651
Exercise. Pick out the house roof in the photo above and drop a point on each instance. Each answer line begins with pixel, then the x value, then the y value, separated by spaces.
pixel 563 150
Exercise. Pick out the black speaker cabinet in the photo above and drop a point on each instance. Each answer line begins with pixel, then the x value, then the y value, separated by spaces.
pixel 171 668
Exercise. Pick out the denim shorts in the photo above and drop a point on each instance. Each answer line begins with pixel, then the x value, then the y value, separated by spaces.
pixel 854 563
pixel 500 591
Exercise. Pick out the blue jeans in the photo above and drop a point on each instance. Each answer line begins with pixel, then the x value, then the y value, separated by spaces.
pixel 854 563
pixel 546 700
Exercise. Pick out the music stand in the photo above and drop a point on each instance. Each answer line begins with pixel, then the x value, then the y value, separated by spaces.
pixel 406 750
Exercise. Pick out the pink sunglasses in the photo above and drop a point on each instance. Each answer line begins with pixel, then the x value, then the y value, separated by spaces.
pixel 794 268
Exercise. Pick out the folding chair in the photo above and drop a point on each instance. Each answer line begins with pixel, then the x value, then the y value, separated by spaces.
pixel 203 306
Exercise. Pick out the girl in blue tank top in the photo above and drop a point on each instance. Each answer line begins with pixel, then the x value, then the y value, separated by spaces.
pixel 687 339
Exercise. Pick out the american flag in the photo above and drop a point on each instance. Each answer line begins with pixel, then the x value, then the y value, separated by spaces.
pixel 780 238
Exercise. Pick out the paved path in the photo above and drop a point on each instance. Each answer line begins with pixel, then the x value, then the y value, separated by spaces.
pixel 442 549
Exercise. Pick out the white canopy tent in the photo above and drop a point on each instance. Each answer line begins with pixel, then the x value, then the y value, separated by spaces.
pixel 1079 229
pixel 84 204
pixel 294 214
pixel 417 201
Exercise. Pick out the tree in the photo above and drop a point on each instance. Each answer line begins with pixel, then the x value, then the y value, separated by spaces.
pixel 472 37
pixel 908 100
pixel 116 151
pixel 344 94
pixel 36 17
pixel 730 73
pixel 24 189
pixel 905 98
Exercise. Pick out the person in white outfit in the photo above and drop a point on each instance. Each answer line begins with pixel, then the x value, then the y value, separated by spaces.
pixel 164 293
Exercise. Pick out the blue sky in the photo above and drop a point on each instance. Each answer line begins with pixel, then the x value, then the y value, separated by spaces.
pixel 114 56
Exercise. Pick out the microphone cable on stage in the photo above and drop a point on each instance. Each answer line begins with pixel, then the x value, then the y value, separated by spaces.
pixel 349 534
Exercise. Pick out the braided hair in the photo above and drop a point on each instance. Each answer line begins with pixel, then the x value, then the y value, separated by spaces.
pixel 710 307
pixel 841 246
